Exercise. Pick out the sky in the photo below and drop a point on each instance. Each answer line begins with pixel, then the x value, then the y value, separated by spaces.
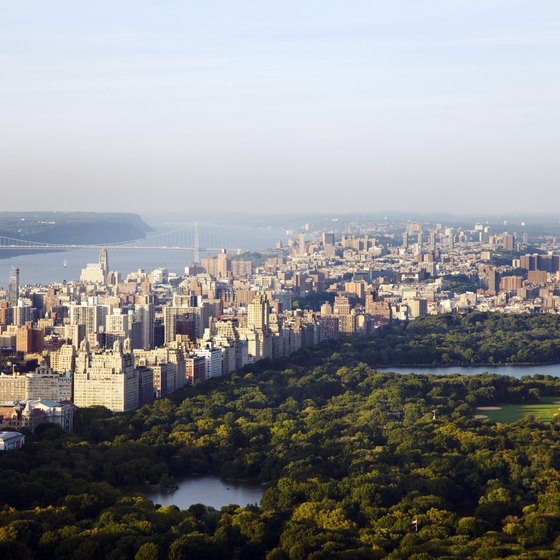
pixel 298 105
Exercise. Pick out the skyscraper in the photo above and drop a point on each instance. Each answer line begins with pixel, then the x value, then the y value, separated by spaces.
pixel 104 261
pixel 145 316
pixel 433 240
pixel 493 281
pixel 13 287
pixel 223 265
pixel 302 244
pixel 258 312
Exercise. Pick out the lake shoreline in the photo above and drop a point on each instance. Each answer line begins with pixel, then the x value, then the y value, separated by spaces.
pixel 467 365
pixel 513 370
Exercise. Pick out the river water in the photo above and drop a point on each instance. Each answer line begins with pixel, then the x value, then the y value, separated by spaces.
pixel 210 491
pixel 513 371
pixel 47 268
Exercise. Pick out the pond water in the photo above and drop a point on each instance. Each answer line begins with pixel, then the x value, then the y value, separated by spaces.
pixel 513 371
pixel 210 491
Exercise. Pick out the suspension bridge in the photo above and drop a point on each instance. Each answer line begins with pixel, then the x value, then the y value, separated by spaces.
pixel 192 239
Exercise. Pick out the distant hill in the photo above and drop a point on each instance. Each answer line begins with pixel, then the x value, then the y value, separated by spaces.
pixel 73 227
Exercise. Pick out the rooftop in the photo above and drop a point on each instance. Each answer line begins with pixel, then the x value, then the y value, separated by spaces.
pixel 9 435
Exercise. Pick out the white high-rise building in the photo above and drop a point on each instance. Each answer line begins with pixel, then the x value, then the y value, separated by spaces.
pixel 43 383
pixel 108 378
pixel 62 360
pixel 93 316
pixel 117 323
pixel 212 360
pixel 258 312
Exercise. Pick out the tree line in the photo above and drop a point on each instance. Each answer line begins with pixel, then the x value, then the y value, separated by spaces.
pixel 474 339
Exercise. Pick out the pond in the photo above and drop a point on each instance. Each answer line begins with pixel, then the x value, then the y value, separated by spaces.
pixel 210 491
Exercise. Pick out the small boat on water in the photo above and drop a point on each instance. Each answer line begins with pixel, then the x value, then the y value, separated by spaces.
pixel 65 263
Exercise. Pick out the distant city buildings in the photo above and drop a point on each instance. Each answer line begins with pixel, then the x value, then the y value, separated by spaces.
pixel 120 342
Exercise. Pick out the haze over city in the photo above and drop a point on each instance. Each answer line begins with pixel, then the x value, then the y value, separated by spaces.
pixel 251 106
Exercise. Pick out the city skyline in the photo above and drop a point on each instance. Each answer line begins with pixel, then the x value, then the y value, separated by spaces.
pixel 326 106
pixel 411 362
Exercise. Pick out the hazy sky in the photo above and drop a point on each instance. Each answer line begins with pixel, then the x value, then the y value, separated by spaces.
pixel 320 105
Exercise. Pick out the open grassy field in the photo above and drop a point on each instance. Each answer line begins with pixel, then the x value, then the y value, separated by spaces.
pixel 546 410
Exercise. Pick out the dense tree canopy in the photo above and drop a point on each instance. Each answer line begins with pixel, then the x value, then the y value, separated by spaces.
pixel 477 338
pixel 351 456
pixel 461 283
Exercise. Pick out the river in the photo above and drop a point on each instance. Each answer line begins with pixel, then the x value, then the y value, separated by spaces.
pixel 210 491
pixel 513 371
pixel 47 268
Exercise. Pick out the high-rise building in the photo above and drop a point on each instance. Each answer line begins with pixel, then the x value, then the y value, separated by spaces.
pixel 195 369
pixel 508 241
pixel 493 281
pixel 104 261
pixel 13 287
pixel 302 244
pixel 63 359
pixel 341 305
pixel 158 356
pixel 145 316
pixel 405 240
pixel 514 283
pixel 181 320
pixel 164 375
pixel 43 383
pixel 418 307
pixel 212 360
pixel 23 314
pixel 29 340
pixel 118 323
pixel 223 265
pixel 433 240
pixel 548 263
pixel 93 316
pixel 241 268
pixel 258 312
pixel 107 378
pixel 356 287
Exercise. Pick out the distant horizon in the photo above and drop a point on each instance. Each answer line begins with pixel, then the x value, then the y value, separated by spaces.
pixel 150 223
pixel 346 213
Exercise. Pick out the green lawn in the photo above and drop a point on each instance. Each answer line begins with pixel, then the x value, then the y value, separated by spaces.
pixel 545 410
